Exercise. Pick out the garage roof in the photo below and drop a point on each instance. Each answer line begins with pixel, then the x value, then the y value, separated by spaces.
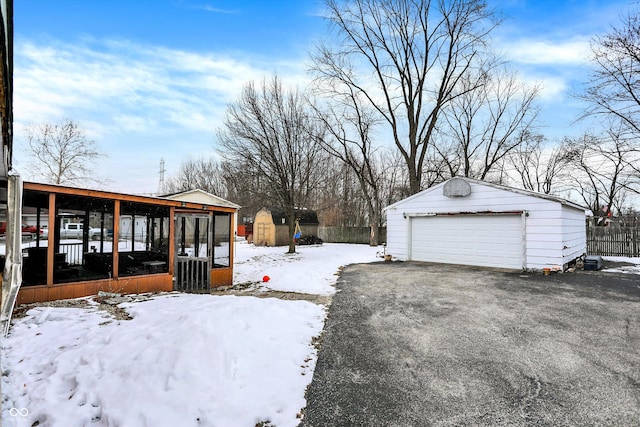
pixel 498 186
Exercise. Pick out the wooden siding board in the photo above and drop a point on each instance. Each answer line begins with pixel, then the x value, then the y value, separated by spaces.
pixel 574 235
pixel 25 296
pixel 136 284
pixel 540 253
pixel 544 245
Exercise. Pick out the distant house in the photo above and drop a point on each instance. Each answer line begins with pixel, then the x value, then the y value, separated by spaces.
pixel 471 222
pixel 201 196
pixel 271 227
pixel 208 199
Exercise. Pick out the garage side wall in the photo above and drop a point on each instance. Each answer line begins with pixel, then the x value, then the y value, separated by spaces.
pixel 574 239
pixel 544 237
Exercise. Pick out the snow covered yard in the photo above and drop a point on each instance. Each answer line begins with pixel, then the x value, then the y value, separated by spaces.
pixel 182 360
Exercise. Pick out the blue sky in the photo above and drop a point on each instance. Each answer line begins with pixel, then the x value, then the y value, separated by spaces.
pixel 151 79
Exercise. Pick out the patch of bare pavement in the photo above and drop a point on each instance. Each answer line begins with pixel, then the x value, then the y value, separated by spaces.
pixel 414 344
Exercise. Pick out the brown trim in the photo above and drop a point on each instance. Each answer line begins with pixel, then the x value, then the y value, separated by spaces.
pixel 172 240
pixel 470 213
pixel 479 213
pixel 232 239
pixel 161 282
pixel 221 276
pixel 116 240
pixel 51 248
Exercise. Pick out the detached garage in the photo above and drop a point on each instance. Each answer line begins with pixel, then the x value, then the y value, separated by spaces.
pixel 471 222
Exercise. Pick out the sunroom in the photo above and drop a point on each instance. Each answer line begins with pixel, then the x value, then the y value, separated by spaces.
pixel 90 241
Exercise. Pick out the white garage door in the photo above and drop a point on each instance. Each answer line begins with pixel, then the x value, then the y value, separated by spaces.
pixel 483 240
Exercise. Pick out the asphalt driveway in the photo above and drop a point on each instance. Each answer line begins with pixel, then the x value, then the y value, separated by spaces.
pixel 413 344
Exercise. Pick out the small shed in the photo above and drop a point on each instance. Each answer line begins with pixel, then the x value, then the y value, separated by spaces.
pixel 471 222
pixel 271 227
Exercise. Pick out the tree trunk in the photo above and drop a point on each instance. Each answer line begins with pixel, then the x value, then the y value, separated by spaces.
pixel 374 225
pixel 292 231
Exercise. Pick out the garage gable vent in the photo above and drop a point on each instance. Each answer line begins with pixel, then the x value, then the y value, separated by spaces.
pixel 456 187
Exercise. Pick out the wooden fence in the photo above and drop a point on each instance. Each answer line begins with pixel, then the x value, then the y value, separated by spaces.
pixel 350 234
pixel 613 241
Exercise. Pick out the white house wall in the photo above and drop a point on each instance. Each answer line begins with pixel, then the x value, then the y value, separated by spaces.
pixel 545 238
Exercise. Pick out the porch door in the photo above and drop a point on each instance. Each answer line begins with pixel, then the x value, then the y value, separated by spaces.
pixel 193 253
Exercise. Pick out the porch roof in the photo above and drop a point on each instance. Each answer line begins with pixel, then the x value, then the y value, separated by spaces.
pixel 209 204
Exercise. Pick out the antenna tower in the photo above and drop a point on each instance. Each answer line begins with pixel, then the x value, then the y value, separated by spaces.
pixel 161 179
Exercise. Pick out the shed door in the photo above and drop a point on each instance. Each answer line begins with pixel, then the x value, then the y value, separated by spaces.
pixel 482 240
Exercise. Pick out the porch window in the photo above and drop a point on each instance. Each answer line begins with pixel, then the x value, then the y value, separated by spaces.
pixel 83 238
pixel 35 214
pixel 221 240
pixel 143 239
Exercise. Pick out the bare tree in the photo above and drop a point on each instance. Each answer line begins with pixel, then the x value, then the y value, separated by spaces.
pixel 405 58
pixel 490 117
pixel 268 131
pixel 341 201
pixel 242 182
pixel 539 167
pixel 614 88
pixel 204 173
pixel 600 170
pixel 62 153
pixel 396 182
pixel 349 126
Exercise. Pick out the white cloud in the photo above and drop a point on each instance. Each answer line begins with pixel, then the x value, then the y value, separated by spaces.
pixel 552 87
pixel 546 52
pixel 137 101
pixel 213 9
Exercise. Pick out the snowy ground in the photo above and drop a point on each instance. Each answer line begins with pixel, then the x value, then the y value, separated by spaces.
pixel 312 269
pixel 183 360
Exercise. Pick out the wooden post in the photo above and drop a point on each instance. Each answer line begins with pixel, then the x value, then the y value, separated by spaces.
pixel 116 232
pixel 51 240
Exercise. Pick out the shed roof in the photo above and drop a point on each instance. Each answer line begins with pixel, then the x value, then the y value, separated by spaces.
pixel 530 193
pixel 305 216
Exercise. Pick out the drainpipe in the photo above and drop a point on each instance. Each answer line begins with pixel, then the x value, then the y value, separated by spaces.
pixel 12 275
